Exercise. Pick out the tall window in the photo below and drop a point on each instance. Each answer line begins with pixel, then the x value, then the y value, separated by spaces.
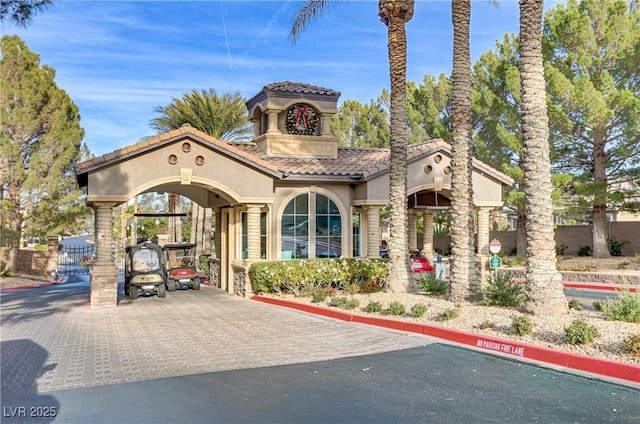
pixel 356 217
pixel 263 235
pixel 295 228
pixel 311 227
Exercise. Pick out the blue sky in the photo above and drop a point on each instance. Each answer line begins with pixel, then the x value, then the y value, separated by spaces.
pixel 119 60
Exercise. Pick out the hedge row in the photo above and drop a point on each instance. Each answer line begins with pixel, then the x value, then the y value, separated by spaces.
pixel 301 274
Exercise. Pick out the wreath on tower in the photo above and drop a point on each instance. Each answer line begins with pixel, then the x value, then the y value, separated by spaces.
pixel 302 119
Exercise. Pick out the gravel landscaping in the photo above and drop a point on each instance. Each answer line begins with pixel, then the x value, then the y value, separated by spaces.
pixel 548 331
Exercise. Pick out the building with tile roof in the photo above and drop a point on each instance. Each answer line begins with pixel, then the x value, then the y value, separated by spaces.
pixel 292 192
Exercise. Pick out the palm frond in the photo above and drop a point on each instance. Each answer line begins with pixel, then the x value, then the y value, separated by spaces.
pixel 308 13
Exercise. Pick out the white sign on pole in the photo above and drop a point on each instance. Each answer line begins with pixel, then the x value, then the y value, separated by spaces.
pixel 495 246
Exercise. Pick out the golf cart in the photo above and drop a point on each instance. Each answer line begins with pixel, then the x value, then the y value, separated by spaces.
pixel 143 270
pixel 180 265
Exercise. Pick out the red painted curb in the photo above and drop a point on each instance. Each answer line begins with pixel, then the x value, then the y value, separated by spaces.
pixel 50 283
pixel 603 287
pixel 35 285
pixel 598 366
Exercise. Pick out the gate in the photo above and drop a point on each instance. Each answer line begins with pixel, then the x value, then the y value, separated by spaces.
pixel 74 260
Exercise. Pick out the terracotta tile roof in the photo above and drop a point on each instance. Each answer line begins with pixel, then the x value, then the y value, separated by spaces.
pixel 294 88
pixel 350 161
pixel 365 162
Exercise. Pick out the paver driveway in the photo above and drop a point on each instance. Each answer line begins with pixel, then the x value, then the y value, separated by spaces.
pixel 51 340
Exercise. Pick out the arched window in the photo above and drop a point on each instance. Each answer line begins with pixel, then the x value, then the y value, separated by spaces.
pixel 311 228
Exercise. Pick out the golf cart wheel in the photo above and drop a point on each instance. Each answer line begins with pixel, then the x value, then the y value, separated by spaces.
pixel 196 284
pixel 171 285
pixel 161 290
pixel 133 292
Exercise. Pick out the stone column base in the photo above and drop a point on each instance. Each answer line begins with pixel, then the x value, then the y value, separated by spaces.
pixel 103 290
pixel 482 269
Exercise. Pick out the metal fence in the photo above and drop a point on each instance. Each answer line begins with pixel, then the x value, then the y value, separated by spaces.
pixel 74 260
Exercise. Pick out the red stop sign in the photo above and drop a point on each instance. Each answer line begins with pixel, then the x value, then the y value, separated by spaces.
pixel 495 246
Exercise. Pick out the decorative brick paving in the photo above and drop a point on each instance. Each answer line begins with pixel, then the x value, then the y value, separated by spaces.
pixel 52 340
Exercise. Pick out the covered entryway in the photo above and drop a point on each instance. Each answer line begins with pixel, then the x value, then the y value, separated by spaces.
pixel 292 192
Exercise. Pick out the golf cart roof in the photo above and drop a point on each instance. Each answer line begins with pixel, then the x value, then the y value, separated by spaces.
pixel 143 245
pixel 178 246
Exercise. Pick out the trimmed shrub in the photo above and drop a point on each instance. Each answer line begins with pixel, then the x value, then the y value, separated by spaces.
pixel 575 304
pixel 625 308
pixel 374 307
pixel 580 332
pixel 344 302
pixel 428 283
pixel 418 310
pixel 501 290
pixel 395 308
pixel 449 314
pixel 631 345
pixel 358 274
pixel 522 325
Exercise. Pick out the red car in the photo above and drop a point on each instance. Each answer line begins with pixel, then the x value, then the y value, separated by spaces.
pixel 419 263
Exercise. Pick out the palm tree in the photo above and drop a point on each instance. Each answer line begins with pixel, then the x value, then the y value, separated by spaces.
pixel 463 273
pixel 544 285
pixel 394 14
pixel 223 117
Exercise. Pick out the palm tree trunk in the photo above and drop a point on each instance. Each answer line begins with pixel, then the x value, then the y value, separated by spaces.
pixel 463 275
pixel 544 286
pixel 395 13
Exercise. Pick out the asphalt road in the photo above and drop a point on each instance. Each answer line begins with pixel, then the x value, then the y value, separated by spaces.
pixel 433 384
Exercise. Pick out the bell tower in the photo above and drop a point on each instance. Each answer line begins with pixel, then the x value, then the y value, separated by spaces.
pixel 293 120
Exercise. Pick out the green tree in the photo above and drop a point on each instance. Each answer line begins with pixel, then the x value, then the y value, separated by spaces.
pixel 592 49
pixel 40 141
pixel 429 109
pixel 358 125
pixel 21 12
pixel 394 14
pixel 496 108
pixel 544 286
pixel 221 116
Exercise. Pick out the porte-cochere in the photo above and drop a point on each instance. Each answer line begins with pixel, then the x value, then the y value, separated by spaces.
pixel 292 192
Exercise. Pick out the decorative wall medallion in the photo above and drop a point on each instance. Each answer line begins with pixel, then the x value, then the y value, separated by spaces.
pixel 185 175
pixel 186 147
pixel 447 170
pixel 428 169
pixel 172 159
pixel 199 160
pixel 437 158
pixel 302 119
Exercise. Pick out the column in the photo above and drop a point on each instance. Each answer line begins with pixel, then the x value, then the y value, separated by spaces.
pixel 217 235
pixel 255 122
pixel 326 125
pixel 273 121
pixel 103 291
pixel 373 231
pixel 103 239
pixel 483 231
pixel 412 228
pixel 253 232
pixel 482 257
pixel 52 256
pixel 427 234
